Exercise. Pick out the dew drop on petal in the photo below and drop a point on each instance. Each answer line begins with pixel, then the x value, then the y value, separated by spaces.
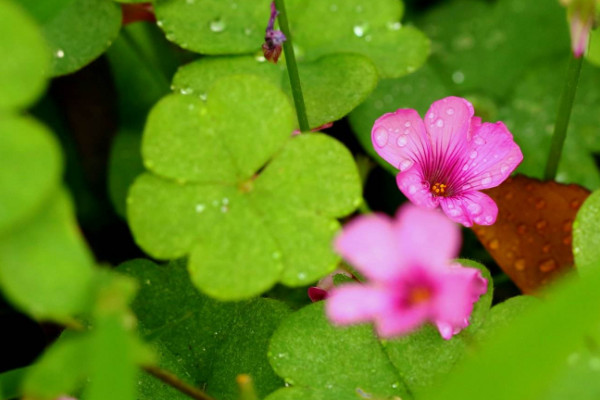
pixel 439 123
pixel 450 111
pixel 520 264
pixel 489 219
pixel 474 208
pixel 487 179
pixel 401 141
pixel 405 164
pixel 381 136
pixel 479 140
pixel 407 124
pixel 407 132
pixel 473 154
pixel 200 208
pixel 504 168
pixel 412 189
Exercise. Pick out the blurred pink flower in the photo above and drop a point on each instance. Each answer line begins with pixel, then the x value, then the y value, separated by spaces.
pixel 321 291
pixel 273 38
pixel 581 14
pixel 448 158
pixel 412 279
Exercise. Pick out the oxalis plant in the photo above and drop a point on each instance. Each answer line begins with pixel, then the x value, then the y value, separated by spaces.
pixel 301 199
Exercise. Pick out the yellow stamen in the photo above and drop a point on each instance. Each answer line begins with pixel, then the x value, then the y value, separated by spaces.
pixel 438 189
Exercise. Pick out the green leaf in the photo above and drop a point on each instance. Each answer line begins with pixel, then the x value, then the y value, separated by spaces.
pixel 370 28
pixel 61 369
pixel 593 53
pixel 585 235
pixel 243 232
pixel 208 342
pixel 502 315
pixel 466 32
pixel 303 393
pixel 30 169
pixel 524 352
pixel 78 31
pixel 45 267
pixel 25 62
pixel 424 358
pixel 531 116
pixel 332 85
pixel 10 383
pixel 308 352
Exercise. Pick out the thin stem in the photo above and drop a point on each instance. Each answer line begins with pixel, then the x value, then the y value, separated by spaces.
pixel 292 67
pixel 172 380
pixel 562 118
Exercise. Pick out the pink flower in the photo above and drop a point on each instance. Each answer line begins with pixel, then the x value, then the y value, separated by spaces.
pixel 412 279
pixel 448 158
pixel 581 19
pixel 273 38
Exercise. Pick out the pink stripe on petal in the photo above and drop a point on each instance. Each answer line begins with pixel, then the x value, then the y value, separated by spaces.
pixel 426 237
pixel 370 244
pixel 400 138
pixel 402 321
pixel 491 157
pixel 416 188
pixel 470 208
pixel 355 303
pixel 447 122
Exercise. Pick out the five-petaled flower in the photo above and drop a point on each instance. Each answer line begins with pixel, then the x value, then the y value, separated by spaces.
pixel 412 279
pixel 447 158
pixel 273 38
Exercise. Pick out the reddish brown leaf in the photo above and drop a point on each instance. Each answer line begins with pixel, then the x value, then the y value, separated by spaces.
pixel 531 239
pixel 138 12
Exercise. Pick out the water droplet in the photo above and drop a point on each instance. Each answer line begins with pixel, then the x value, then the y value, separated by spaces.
pixel 439 123
pixel 186 91
pixel 540 204
pixel 487 179
pixel 190 1
pixel 494 244
pixel 359 30
pixel 541 224
pixel 407 132
pixel 368 38
pixel 473 154
pixel 407 124
pixel 200 208
pixel 450 111
pixel 217 25
pixel 504 168
pixel 458 77
pixel 381 136
pixel 479 140
pixel 160 23
pixel 412 189
pixel 567 240
pixel 548 265
pixel 60 53
pixel 465 167
pixel 489 219
pixel 394 26
pixel 474 208
pixel 522 229
pixel 276 255
pixel 401 141
pixel 594 363
pixel 431 116
pixel 568 225
pixel 405 164
pixel 148 282
pixel 358 9
pixel 301 276
pixel 575 204
pixel 333 8
pixel 224 209
pixel 248 31
pixel 520 264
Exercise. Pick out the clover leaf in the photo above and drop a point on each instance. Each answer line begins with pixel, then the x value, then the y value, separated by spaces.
pixel 320 27
pixel 77 31
pixel 245 222
pixel 585 235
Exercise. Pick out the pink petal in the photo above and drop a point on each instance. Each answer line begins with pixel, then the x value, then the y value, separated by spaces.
pixel 426 237
pixel 448 330
pixel 459 290
pixel 492 156
pixel 317 294
pixel 355 303
pixel 400 138
pixel 369 243
pixel 470 208
pixel 402 321
pixel 447 122
pixel 416 188
pixel 580 33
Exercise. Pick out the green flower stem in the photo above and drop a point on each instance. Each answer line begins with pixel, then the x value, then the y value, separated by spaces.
pixel 562 119
pixel 172 380
pixel 292 67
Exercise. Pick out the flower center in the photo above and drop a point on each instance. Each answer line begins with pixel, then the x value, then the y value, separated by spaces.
pixel 418 295
pixel 438 189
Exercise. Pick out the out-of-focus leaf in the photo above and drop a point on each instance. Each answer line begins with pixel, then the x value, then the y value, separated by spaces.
pixel 77 31
pixel 25 57
pixel 124 165
pixel 45 267
pixel 586 234
pixel 30 169
pixel 10 383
